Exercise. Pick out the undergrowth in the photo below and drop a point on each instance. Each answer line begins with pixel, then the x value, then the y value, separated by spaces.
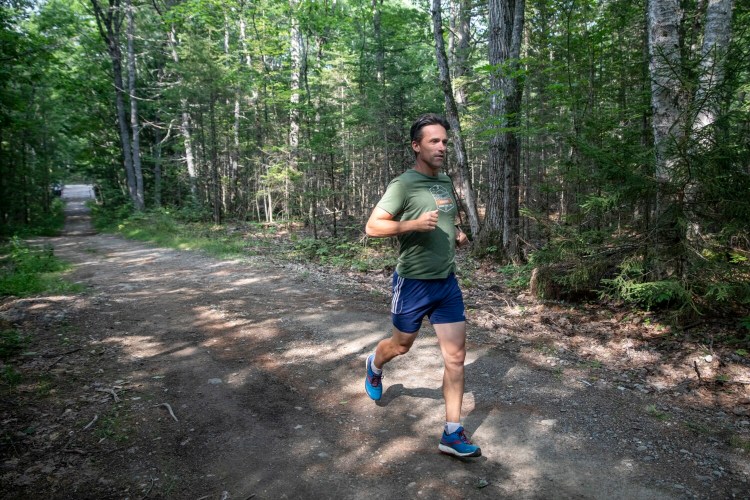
pixel 188 230
pixel 27 270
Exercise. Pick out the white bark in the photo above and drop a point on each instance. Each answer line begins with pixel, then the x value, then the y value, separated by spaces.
pixel 716 39
pixel 718 34
pixel 295 86
pixel 664 17
pixel 184 122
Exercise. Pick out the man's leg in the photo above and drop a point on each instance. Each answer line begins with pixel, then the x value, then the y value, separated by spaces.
pixel 399 343
pixel 452 339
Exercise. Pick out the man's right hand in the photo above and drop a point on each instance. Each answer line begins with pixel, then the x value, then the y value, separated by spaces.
pixel 427 222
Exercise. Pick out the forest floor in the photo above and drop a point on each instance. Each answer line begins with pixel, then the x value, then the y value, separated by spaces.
pixel 176 375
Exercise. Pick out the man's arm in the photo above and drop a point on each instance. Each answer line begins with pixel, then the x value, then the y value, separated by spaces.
pixel 382 225
pixel 461 238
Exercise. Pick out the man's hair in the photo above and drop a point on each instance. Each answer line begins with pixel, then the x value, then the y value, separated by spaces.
pixel 423 121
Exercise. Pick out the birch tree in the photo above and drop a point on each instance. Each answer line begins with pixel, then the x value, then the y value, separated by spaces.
pixel 673 128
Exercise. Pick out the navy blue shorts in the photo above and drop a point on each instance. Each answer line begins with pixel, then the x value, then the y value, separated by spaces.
pixel 440 300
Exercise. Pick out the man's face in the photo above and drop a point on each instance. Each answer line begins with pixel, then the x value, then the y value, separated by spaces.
pixel 431 149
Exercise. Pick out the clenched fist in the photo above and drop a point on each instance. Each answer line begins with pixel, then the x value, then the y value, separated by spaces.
pixel 427 222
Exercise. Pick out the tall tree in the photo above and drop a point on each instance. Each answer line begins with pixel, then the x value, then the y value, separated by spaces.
pixel 501 223
pixel 135 127
pixel 673 129
pixel 451 111
pixel 109 20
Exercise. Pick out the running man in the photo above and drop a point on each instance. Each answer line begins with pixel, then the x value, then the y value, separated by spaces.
pixel 419 209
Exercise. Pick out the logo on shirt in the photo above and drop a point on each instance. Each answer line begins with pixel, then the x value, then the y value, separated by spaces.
pixel 443 198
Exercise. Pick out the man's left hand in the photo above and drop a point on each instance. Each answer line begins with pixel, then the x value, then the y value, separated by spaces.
pixel 461 238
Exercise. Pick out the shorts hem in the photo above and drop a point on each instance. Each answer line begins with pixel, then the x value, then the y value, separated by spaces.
pixel 441 322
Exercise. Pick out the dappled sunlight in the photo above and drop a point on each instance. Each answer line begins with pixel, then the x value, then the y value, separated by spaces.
pixel 185 352
pixel 139 346
pixel 214 319
pixel 246 281
pixel 400 446
pixel 237 379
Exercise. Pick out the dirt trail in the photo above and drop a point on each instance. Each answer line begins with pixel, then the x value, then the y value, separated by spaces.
pixel 262 367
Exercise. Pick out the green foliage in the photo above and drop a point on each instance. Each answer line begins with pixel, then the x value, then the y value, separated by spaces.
pixel 342 254
pixel 11 343
pixel 656 413
pixel 26 270
pixel 11 377
pixel 649 294
pixel 113 425
pixel 517 277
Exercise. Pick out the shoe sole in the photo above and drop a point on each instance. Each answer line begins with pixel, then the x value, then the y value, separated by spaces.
pixel 450 451
pixel 366 391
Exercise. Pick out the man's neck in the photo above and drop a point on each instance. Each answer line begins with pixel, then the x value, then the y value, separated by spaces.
pixel 425 169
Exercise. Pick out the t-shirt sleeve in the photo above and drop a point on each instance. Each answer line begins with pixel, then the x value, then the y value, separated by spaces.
pixel 394 199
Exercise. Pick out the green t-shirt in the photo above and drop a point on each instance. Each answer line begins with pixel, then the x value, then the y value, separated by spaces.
pixel 429 255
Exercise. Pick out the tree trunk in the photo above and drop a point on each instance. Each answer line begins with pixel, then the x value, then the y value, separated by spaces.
pixel 716 40
pixel 110 24
pixel 501 224
pixel 185 123
pixel 718 34
pixel 139 200
pixel 215 179
pixel 664 18
pixel 294 112
pixel 451 110
pixel 667 99
pixel 461 50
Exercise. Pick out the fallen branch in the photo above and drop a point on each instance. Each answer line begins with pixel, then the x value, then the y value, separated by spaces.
pixel 112 392
pixel 53 354
pixel 74 450
pixel 170 410
pixel 54 363
pixel 695 366
pixel 91 423
pixel 149 489
pixel 61 357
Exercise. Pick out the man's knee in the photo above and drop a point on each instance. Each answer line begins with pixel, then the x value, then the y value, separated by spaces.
pixel 455 359
pixel 402 349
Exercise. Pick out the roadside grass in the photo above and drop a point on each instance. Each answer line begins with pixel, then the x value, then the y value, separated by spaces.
pixel 27 270
pixel 243 239
pixel 10 377
pixel 11 343
pixel 113 425
pixel 740 443
pixel 41 223
pixel 656 413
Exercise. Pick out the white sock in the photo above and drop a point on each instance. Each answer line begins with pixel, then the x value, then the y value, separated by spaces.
pixel 451 427
pixel 375 369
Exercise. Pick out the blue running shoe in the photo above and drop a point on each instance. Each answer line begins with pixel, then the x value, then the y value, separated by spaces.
pixel 373 386
pixel 459 445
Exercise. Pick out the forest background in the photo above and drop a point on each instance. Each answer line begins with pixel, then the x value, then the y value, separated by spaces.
pixel 601 148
